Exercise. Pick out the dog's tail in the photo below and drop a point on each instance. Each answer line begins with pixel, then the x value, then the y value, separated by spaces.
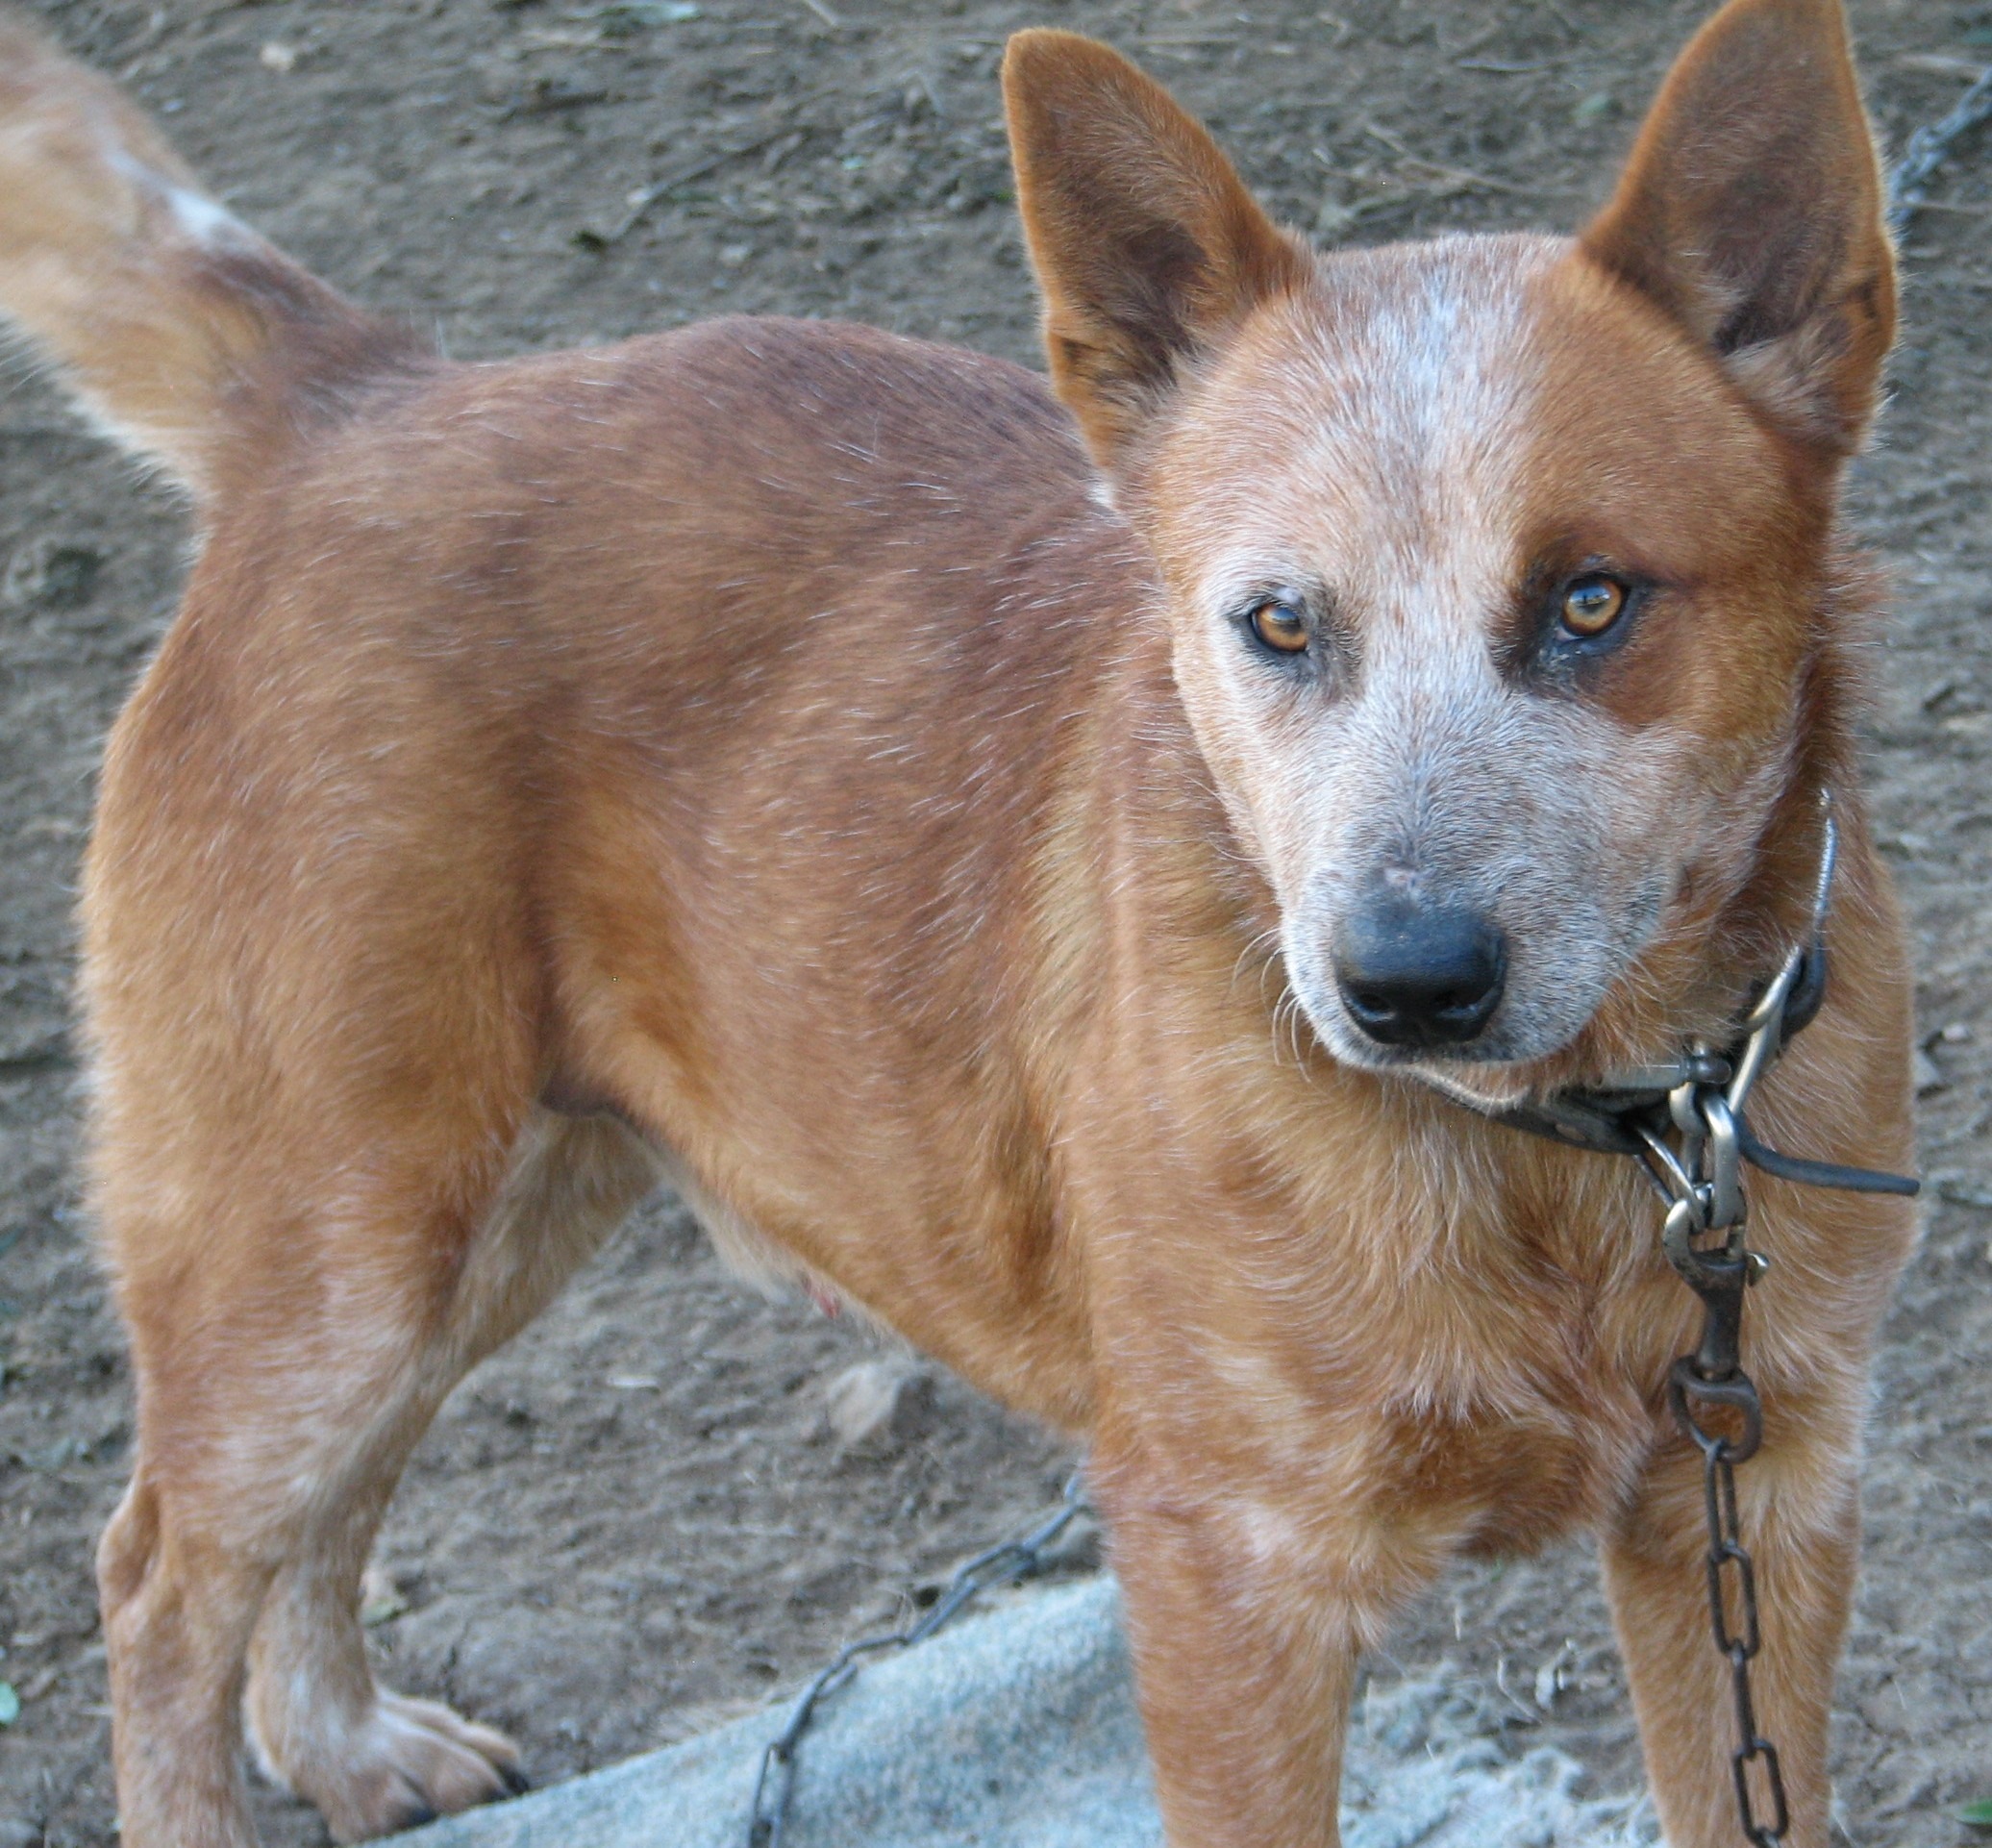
pixel 194 343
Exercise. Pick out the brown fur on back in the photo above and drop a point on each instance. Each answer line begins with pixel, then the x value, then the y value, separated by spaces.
pixel 661 774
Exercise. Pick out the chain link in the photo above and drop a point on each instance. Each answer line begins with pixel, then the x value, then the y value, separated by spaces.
pixel 1733 1576
pixel 1703 1181
pixel 1022 1557
pixel 1713 1378
pixel 1927 149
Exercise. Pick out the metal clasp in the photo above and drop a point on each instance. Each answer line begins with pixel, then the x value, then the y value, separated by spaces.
pixel 1702 1180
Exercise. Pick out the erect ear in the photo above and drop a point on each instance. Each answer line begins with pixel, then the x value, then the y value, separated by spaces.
pixel 1147 246
pixel 1752 212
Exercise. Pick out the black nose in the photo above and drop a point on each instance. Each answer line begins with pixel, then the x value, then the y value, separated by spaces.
pixel 1420 975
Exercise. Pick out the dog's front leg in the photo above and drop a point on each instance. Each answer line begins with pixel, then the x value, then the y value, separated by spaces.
pixel 1244 1665
pixel 1799 1514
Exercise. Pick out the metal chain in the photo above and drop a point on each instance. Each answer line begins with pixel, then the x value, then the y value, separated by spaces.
pixel 1713 1378
pixel 1729 1559
pixel 1701 1175
pixel 1927 149
pixel 1003 1564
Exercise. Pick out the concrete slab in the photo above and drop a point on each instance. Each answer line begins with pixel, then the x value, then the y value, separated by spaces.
pixel 1017 1729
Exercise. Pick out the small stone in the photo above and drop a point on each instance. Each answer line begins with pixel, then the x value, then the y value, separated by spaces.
pixel 1929 1075
pixel 381 1600
pixel 50 574
pixel 1335 221
pixel 1554 1676
pixel 872 1409
pixel 1963 1190
pixel 277 57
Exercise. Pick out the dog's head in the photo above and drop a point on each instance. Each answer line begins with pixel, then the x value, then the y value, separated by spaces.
pixel 1500 569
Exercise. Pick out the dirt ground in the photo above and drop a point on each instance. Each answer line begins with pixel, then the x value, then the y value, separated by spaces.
pixel 630 1522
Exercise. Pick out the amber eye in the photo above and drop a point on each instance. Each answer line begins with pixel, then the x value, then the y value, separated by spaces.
pixel 1592 604
pixel 1280 626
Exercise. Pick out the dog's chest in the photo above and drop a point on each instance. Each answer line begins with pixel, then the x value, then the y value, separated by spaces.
pixel 1437 1409
pixel 1500 1479
pixel 1502 1415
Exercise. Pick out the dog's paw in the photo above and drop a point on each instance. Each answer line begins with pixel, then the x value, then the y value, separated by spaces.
pixel 408 1764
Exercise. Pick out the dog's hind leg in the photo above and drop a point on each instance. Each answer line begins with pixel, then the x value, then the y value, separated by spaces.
pixel 260 1484
pixel 370 1760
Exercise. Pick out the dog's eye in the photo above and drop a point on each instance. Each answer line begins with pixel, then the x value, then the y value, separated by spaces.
pixel 1281 626
pixel 1591 604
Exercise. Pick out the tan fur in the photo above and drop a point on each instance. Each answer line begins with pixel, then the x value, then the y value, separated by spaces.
pixel 759 753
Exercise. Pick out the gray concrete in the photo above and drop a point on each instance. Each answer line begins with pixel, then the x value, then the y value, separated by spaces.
pixel 1017 1730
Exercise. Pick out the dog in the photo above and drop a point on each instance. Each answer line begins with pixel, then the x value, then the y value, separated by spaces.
pixel 1069 870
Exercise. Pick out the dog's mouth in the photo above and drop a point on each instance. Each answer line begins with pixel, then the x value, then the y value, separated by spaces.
pixel 1608 1046
pixel 1484 1081
pixel 1478 1086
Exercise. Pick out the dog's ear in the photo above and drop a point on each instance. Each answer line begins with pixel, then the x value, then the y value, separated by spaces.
pixel 1148 247
pixel 1752 212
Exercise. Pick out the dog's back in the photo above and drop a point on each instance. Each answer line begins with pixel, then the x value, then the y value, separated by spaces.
pixel 687 700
